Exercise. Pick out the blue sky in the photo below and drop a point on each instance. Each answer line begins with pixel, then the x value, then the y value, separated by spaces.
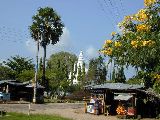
pixel 87 24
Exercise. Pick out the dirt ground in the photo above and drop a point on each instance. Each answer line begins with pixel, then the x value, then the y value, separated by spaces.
pixel 74 111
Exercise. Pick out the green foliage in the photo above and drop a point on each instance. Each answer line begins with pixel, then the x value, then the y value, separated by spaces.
pixel 138 44
pixel 6 73
pixel 47 23
pixel 97 70
pixel 120 76
pixel 65 85
pixel 83 74
pixel 58 60
pixel 92 70
pixel 135 81
pixel 156 86
pixel 26 75
pixel 20 116
pixel 79 77
pixel 59 66
pixel 77 95
pixel 18 68
pixel 40 65
pixel 18 64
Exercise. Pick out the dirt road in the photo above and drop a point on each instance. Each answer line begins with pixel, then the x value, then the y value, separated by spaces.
pixel 74 111
pixel 68 110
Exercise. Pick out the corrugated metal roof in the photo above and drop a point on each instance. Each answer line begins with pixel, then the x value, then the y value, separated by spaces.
pixel 16 83
pixel 116 86
pixel 6 81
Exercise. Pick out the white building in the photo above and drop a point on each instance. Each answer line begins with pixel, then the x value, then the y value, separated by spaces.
pixel 77 65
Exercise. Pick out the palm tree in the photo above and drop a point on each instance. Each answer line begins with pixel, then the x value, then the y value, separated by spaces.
pixel 46 29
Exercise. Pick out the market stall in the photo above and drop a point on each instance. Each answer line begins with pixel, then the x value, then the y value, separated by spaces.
pixel 112 94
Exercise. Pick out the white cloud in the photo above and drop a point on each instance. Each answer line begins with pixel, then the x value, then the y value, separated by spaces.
pixel 63 45
pixel 91 52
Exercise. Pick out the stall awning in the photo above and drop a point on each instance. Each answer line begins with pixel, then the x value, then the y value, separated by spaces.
pixel 123 97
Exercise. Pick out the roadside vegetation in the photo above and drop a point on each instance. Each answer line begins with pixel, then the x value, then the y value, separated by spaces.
pixel 21 116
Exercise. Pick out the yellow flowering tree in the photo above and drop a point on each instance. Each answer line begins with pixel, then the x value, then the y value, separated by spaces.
pixel 138 44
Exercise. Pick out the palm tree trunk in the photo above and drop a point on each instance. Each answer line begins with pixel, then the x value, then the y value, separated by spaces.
pixel 44 66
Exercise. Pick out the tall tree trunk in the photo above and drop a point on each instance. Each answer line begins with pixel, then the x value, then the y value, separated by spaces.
pixel 44 68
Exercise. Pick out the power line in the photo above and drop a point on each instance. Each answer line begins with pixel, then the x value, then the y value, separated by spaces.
pixel 13 35
pixel 110 11
pixel 106 15
pixel 114 9
pixel 121 3
pixel 118 8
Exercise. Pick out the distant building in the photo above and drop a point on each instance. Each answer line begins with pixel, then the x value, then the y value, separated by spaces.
pixel 77 65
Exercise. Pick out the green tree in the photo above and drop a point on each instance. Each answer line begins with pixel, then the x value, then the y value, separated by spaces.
pixel 91 71
pixel 6 73
pixel 138 44
pixel 83 74
pixel 79 77
pixel 19 64
pixel 26 75
pixel 47 26
pixel 120 76
pixel 59 66
pixel 97 70
pixel 113 74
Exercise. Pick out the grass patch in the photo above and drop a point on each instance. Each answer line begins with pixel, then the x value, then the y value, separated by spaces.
pixel 21 116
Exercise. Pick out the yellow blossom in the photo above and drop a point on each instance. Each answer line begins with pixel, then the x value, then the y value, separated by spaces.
pixel 141 15
pixel 107 51
pixel 102 51
pixel 149 2
pixel 117 44
pixel 151 42
pixel 144 43
pixel 127 18
pixel 134 17
pixel 113 33
pixel 147 42
pixel 142 27
pixel 134 43
pixel 108 41
pixel 139 38
pixel 157 76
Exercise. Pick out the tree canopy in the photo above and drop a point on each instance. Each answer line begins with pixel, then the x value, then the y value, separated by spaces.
pixel 47 23
pixel 59 66
pixel 6 73
pixel 17 67
pixel 46 28
pixel 97 70
pixel 138 43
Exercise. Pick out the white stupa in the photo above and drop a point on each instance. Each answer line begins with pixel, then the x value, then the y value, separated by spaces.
pixel 78 64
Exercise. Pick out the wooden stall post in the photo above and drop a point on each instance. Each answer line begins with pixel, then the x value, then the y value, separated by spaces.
pixel 104 106
pixel 85 105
